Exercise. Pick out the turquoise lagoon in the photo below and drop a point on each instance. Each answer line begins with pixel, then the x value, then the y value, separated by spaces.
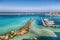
pixel 10 23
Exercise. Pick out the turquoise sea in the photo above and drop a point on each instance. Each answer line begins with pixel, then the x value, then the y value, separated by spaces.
pixel 10 23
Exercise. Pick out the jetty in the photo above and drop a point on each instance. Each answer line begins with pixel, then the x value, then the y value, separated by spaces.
pixel 33 39
pixel 25 28
pixel 21 31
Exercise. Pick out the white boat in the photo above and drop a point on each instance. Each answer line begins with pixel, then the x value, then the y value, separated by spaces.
pixel 47 22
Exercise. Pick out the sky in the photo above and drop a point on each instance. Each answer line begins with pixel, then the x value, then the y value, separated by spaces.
pixel 29 5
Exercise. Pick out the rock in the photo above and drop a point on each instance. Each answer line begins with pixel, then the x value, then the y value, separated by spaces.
pixel 6 37
pixel 2 37
pixel 25 28
pixel 10 36
pixel 12 32
pixel 33 39
pixel 22 31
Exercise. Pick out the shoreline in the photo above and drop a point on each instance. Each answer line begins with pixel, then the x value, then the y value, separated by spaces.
pixel 23 30
pixel 53 14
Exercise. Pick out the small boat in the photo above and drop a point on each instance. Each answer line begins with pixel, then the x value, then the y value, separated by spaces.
pixel 47 22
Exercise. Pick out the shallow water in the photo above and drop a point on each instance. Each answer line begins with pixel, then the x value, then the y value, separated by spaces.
pixel 9 23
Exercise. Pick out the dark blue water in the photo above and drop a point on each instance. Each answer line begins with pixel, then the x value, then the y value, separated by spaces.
pixel 48 38
pixel 56 19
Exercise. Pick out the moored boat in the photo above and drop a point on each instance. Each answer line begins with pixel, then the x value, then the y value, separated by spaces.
pixel 47 22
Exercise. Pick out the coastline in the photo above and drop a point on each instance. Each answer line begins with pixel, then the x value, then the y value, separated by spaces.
pixel 53 14
pixel 23 30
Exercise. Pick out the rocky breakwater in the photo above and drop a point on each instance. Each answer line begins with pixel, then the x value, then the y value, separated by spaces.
pixel 22 31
